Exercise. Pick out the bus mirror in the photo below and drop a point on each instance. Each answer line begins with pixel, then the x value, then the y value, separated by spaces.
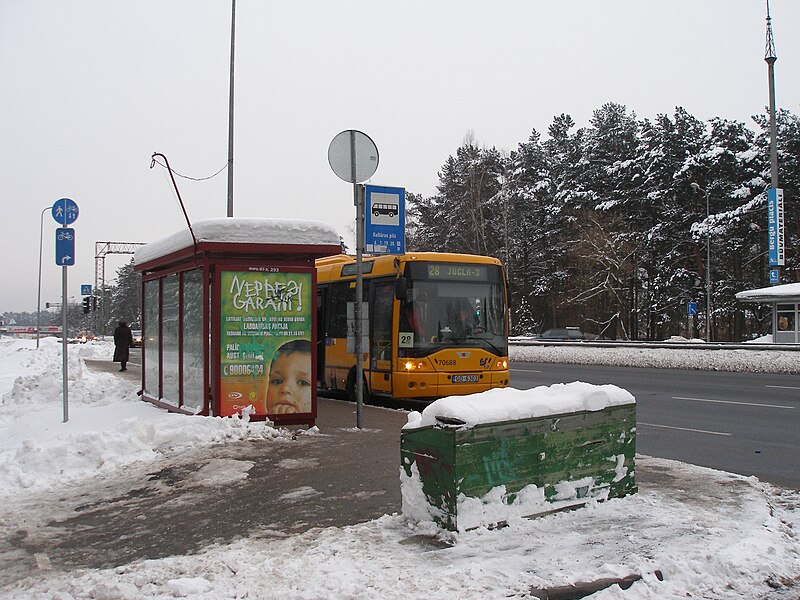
pixel 400 288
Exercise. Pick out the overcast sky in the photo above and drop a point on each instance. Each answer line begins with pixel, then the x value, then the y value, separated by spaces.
pixel 89 89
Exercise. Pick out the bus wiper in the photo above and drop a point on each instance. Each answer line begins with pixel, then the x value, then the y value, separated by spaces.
pixel 472 337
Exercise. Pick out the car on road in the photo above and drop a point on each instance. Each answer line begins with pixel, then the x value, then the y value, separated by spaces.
pixel 563 334
pixel 85 336
pixel 137 338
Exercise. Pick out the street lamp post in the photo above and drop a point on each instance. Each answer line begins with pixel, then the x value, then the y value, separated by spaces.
pixel 39 293
pixel 696 187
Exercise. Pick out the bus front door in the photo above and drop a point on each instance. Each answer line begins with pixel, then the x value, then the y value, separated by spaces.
pixel 381 349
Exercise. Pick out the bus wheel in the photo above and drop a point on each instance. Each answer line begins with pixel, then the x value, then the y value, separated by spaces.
pixel 351 388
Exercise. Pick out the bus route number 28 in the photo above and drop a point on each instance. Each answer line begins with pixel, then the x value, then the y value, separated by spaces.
pixel 406 339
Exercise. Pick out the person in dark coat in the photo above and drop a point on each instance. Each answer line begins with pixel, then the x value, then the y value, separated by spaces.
pixel 123 340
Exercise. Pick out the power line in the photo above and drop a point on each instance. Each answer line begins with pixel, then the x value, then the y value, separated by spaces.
pixel 192 178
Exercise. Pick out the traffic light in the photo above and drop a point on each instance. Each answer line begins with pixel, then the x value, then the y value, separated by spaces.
pixel 94 302
pixel 87 306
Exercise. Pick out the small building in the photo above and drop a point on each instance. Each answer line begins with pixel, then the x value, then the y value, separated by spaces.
pixel 785 301
pixel 229 318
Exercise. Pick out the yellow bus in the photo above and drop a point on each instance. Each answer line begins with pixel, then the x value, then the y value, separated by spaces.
pixel 437 325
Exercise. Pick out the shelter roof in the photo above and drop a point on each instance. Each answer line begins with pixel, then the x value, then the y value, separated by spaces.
pixel 789 292
pixel 235 230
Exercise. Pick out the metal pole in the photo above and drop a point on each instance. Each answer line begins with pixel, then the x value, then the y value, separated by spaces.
pixel 64 367
pixel 230 113
pixel 696 187
pixel 708 272
pixel 770 57
pixel 39 292
pixel 357 198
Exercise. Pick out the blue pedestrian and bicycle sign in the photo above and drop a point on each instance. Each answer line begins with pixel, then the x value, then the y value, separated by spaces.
pixel 65 246
pixel 691 308
pixel 65 211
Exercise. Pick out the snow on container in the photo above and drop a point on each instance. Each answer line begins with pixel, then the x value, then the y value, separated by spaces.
pixel 480 460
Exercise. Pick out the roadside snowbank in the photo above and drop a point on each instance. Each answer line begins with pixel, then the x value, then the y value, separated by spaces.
pixel 108 427
pixel 756 361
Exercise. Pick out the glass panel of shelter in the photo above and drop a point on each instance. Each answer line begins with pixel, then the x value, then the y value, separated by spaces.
pixel 150 337
pixel 787 321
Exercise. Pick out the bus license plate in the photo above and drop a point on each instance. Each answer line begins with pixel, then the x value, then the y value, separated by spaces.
pixel 465 379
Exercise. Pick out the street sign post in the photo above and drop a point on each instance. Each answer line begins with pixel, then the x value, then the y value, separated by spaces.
pixel 86 289
pixel 353 156
pixel 691 312
pixel 65 212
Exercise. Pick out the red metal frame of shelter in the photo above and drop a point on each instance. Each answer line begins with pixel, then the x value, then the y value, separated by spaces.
pixel 212 258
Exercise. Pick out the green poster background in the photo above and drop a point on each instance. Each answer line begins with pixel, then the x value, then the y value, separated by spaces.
pixel 260 311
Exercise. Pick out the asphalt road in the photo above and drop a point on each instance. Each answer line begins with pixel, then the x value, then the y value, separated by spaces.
pixel 745 423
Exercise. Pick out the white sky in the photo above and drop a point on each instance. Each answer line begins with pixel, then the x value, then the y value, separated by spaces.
pixel 89 90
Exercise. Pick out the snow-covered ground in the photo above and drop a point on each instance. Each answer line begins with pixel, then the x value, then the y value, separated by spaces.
pixel 711 534
pixel 739 360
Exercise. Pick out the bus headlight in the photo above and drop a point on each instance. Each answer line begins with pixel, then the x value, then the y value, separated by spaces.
pixel 502 364
pixel 410 366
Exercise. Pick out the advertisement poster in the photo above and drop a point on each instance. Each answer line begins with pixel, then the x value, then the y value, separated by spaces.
pixel 266 348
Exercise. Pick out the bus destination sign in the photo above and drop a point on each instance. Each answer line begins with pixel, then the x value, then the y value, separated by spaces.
pixel 456 272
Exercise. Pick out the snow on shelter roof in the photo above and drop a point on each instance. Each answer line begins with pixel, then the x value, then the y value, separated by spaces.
pixel 789 292
pixel 242 231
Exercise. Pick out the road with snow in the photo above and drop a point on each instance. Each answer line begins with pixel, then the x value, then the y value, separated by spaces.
pixel 744 423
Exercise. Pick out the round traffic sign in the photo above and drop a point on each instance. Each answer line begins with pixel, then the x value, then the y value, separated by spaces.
pixel 353 156
pixel 65 211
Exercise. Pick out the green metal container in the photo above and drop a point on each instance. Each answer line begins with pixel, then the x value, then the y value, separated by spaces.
pixel 570 458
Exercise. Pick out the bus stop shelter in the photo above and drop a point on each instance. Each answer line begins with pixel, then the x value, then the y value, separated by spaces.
pixel 229 318
pixel 785 302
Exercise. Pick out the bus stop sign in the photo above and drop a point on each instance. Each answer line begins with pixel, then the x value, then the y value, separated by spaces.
pixel 385 224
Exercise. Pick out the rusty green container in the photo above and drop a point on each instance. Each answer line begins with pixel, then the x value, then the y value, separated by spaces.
pixel 595 449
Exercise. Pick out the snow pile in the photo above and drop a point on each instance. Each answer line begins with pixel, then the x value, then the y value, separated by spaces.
pixel 497 505
pixel 108 427
pixel 509 404
pixel 755 361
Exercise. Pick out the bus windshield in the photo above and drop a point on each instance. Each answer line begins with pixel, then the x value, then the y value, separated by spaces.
pixel 452 305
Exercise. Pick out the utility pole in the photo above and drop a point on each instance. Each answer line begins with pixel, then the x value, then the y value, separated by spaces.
pixel 770 57
pixel 230 112
pixel 696 187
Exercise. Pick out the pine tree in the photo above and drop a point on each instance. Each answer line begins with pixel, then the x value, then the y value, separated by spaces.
pixel 126 296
